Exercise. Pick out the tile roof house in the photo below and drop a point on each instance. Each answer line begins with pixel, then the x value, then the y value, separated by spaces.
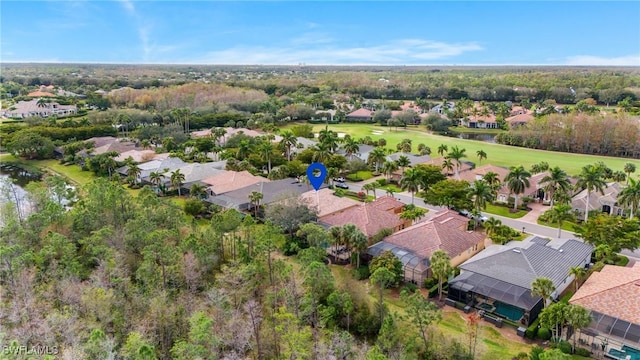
pixel 499 279
pixel 231 180
pixel 480 121
pixel 360 115
pixel 326 203
pixel 196 172
pixel 231 132
pixel 414 245
pixel 303 143
pixel 370 218
pixel 519 119
pixel 140 156
pixel 613 296
pixel 40 93
pixel 479 172
pixel 273 191
pixel 25 109
pixel 162 166
pixel 440 109
pixel 362 154
pixel 464 166
pixel 606 203
pixel 534 190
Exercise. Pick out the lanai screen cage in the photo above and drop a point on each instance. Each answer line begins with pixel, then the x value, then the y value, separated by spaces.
pixel 415 267
pixel 493 288
pixel 608 325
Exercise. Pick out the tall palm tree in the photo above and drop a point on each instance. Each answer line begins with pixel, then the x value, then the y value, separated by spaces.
pixel 329 138
pixel 628 169
pixel 134 171
pixel 447 164
pixel 244 149
pixel 390 191
pixel 377 156
pixel 630 196
pixel 481 155
pixel 255 197
pixel 388 168
pixel 322 152
pixel 481 193
pixel 359 242
pixel 404 146
pixel 266 150
pixel 456 154
pixel 492 225
pixel 517 180
pixel 440 268
pixel 556 181
pixel 424 149
pixel 578 318
pixel 542 287
pixel 410 181
pixel 219 133
pixel 351 147
pixel 591 178
pixel 403 162
pixel 442 149
pixel 197 190
pixel 146 144
pixel 289 140
pixel 578 272
pixel 492 179
pixel 177 178
pixel 560 213
pixel 155 178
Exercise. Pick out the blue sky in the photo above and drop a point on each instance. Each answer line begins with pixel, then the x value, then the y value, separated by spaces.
pixel 322 33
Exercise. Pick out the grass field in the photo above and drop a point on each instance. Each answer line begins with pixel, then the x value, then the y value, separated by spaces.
pixel 504 211
pixel 501 155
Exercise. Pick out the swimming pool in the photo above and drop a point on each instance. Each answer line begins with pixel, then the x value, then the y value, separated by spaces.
pixel 508 311
pixel 633 353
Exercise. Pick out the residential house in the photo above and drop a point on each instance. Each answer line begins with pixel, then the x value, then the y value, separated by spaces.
pixel 272 191
pixel 520 119
pixel 447 231
pixel 442 109
pixel 40 93
pixel 360 115
pixel 31 108
pixel 606 202
pixel 498 280
pixel 326 203
pixel 613 297
pixel 413 159
pixel 231 132
pixel 480 122
pixel 324 115
pixel 140 156
pixel 231 180
pixel 303 144
pixel 362 154
pixel 535 190
pixel 464 166
pixel 196 172
pixel 372 217
pixel 479 173
pixel 162 166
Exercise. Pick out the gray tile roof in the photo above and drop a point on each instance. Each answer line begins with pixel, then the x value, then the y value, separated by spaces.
pixel 522 265
pixel 414 159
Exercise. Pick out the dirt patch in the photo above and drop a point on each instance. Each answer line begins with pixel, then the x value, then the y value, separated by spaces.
pixel 507 331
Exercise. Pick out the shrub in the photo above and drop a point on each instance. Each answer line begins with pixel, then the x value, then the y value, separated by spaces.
pixel 382 182
pixel 564 346
pixel 361 273
pixel 410 287
pixel 535 353
pixel 583 352
pixel 544 333
pixel 532 330
pixel 430 282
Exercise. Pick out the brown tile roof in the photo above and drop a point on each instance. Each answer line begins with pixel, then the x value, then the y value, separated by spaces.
pixel 614 291
pixel 39 93
pixel 362 112
pixel 326 203
pixel 231 180
pixel 440 160
pixel 480 171
pixel 141 156
pixel 370 218
pixel 481 118
pixel 446 231
pixel 520 118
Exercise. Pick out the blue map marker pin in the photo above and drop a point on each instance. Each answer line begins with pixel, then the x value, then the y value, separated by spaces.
pixel 316 180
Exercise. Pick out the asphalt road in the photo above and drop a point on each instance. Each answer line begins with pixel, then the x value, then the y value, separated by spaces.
pixel 527 227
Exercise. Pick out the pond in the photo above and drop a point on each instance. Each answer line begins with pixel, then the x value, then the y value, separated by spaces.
pixel 20 177
pixel 485 137
pixel 13 179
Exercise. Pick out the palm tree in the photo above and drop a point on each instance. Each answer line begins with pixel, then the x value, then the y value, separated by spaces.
pixel 244 149
pixel 155 178
pixel 424 149
pixel 440 268
pixel 219 133
pixel 578 318
pixel 146 144
pixel 480 192
pixel 177 178
pixel 410 181
pixel 591 179
pixel 403 162
pixel 630 196
pixel 329 138
pixel 578 272
pixel 197 190
pixel 390 191
pixel 134 171
pixel 442 149
pixel 255 197
pixel 372 186
pixel 289 140
pixel 628 169
pixel 322 152
pixel 359 241
pixel 447 164
pixel 456 154
pixel 493 180
pixel 350 147
pixel 556 181
pixel 491 226
pixel 560 213
pixel 481 155
pixel 517 180
pixel 542 287
pixel 377 156
pixel 404 146
pixel 266 150
pixel 388 168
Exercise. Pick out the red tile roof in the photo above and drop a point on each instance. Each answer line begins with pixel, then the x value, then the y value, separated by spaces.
pixel 232 180
pixel 370 218
pixel 40 94
pixel 520 118
pixel 362 112
pixel 480 171
pixel 614 291
pixel 446 231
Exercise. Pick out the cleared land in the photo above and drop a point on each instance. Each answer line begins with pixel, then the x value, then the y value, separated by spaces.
pixel 501 155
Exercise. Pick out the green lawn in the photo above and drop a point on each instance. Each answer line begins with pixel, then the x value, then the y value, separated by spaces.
pixel 464 130
pixel 504 211
pixel 567 225
pixel 501 155
pixel 360 176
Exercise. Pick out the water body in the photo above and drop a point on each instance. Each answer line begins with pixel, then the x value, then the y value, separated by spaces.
pixel 13 179
pixel 485 137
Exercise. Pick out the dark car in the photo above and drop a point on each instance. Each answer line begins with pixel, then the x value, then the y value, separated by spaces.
pixel 340 179
pixel 342 185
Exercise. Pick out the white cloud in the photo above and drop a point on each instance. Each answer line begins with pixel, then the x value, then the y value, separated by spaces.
pixel 589 60
pixel 404 51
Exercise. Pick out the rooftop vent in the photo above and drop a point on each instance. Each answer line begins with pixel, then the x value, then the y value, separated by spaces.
pixel 561 250
pixel 516 251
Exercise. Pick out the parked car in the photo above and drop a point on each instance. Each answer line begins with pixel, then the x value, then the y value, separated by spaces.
pixel 342 185
pixel 480 218
pixel 340 179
